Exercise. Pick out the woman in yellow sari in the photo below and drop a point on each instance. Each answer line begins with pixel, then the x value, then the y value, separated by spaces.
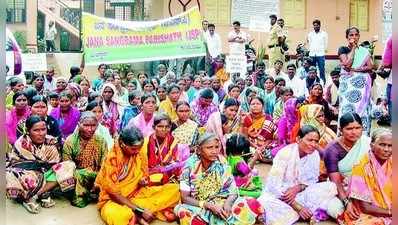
pixel 125 195
pixel 168 106
pixel 314 115
pixel 371 184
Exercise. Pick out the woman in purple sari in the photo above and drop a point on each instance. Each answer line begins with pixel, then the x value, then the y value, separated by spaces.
pixel 66 115
pixel 113 110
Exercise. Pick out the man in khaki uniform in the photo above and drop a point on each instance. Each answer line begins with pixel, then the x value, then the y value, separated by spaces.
pixel 275 39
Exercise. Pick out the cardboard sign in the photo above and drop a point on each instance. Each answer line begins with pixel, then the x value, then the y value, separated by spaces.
pixel 236 63
pixel 34 62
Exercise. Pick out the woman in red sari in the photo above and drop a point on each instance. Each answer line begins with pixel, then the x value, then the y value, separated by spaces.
pixel 165 156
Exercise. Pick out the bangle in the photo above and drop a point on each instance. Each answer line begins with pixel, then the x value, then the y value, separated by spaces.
pixel 297 207
pixel 201 204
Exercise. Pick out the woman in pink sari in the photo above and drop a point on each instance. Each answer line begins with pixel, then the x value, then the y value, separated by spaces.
pixel 20 111
pixel 371 184
pixel 66 115
pixel 144 120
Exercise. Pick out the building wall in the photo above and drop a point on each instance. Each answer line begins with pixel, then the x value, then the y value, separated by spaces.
pixel 334 16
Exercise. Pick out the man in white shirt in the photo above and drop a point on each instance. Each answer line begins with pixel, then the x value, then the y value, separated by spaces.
pixel 237 39
pixel 294 82
pixel 213 41
pixel 318 44
pixel 49 81
pixel 50 36
pixel 205 28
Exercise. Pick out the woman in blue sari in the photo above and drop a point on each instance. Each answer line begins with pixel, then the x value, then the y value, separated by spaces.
pixel 355 81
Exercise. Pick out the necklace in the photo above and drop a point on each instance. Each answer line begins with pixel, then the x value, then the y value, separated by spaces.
pixel 344 145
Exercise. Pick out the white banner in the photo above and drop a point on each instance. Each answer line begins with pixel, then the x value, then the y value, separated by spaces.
pixel 34 62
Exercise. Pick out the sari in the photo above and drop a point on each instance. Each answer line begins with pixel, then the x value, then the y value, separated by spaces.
pixel 269 100
pixel 88 160
pixel 29 167
pixel 121 174
pixel 167 107
pixel 355 89
pixel 244 102
pixel 68 123
pixel 308 116
pixel 213 185
pixel 288 124
pixel 278 111
pixel 146 128
pixel 337 159
pixel 129 112
pixel 222 75
pixel 112 112
pixel 202 114
pixel 288 170
pixel 214 125
pixel 12 120
pixel 186 133
pixel 192 93
pixel 371 183
pixel 165 159
pixel 260 130
pixel 248 182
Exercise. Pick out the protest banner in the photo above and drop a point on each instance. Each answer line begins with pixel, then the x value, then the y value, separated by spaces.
pixel 34 62
pixel 112 41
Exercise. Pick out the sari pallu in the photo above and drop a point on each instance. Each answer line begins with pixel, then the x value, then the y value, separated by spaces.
pixel 12 122
pixel 372 183
pixel 214 125
pixel 122 174
pixel 29 167
pixel 213 185
pixel 261 133
pixel 165 159
pixel 145 127
pixel 68 123
pixel 186 133
pixel 355 89
pixel 167 107
pixel 88 160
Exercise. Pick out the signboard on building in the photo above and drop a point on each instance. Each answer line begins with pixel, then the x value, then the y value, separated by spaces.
pixel 242 10
pixel 34 62
pixel 113 41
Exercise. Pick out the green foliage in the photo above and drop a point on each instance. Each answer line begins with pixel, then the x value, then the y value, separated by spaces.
pixel 260 53
pixel 122 68
pixel 20 37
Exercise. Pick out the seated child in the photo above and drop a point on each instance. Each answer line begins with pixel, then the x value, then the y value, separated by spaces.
pixel 246 178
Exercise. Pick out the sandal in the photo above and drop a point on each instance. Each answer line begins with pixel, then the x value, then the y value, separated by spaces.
pixel 47 202
pixel 32 206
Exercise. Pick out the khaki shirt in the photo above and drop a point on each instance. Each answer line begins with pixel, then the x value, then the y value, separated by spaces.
pixel 275 32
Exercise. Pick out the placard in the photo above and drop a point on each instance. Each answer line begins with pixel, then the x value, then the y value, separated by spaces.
pixel 236 63
pixel 34 62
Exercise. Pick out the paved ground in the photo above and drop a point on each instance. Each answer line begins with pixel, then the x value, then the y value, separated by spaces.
pixel 65 214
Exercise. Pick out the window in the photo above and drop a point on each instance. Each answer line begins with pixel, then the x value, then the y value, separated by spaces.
pixel 120 12
pixel 359 14
pixel 294 13
pixel 16 11
pixel 88 6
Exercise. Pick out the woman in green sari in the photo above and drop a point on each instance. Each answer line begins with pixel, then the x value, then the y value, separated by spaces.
pixel 87 150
